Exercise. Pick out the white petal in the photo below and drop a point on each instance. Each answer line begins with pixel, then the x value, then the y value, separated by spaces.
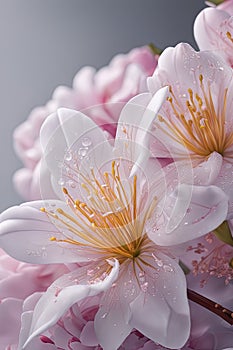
pixel 25 234
pixel 112 319
pixel 69 133
pixel 207 171
pixel 207 209
pixel 133 132
pixel 60 296
pixel 163 315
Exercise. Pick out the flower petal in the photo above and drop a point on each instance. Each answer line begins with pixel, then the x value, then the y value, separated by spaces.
pixel 25 234
pixel 207 209
pixel 111 321
pixel 70 136
pixel 60 296
pixel 206 27
pixel 225 182
pixel 134 126
pixel 163 314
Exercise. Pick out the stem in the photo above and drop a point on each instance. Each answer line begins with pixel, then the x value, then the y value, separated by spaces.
pixel 212 306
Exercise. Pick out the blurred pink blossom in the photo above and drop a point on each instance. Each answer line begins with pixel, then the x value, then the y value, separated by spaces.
pixel 19 280
pixel 75 330
pixel 107 90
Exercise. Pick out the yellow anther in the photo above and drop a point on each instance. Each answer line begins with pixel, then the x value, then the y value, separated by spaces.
pixel 190 91
pixel 201 78
pixel 113 168
pixel 170 99
pixel 64 190
pixel 43 210
pixel 160 118
pixel 53 239
pixel 229 36
pixel 77 202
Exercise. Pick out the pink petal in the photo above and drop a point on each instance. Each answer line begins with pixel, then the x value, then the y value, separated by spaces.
pixel 88 336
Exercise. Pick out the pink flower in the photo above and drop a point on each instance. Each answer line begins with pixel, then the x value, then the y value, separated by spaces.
pixel 115 204
pixel 75 329
pixel 213 30
pixel 195 126
pixel 17 281
pixel 101 94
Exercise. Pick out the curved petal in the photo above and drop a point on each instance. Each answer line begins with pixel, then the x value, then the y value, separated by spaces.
pixel 207 209
pixel 25 233
pixel 112 319
pixel 163 314
pixel 133 132
pixel 69 137
pixel 208 171
pixel 61 295
pixel 206 28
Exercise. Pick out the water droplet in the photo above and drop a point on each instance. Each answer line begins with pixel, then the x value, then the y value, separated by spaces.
pixel 86 142
pixel 71 184
pixel 68 156
pixel 61 182
pixel 168 268
pixel 90 272
pixel 144 287
pixel 82 152
pixel 104 315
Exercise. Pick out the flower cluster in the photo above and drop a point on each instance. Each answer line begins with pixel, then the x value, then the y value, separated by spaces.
pixel 126 242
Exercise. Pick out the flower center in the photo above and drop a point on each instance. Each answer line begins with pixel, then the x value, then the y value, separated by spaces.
pixel 111 221
pixel 201 127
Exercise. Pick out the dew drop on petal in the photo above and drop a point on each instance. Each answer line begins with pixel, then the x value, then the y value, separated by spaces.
pixel 168 268
pixel 86 142
pixel 61 182
pixel 104 315
pixel 68 156
pixel 144 287
pixel 82 152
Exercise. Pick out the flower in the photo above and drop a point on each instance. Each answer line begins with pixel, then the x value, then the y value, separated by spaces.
pixel 101 94
pixel 115 199
pixel 213 30
pixel 195 123
pixel 76 328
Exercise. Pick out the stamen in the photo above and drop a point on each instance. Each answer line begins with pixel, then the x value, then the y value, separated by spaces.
pixel 201 128
pixel 108 222
pixel 229 36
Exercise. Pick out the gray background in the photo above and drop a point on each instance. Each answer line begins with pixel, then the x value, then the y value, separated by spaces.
pixel 44 43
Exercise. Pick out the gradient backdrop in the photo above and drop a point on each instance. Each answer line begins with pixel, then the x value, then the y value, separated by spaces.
pixel 44 43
